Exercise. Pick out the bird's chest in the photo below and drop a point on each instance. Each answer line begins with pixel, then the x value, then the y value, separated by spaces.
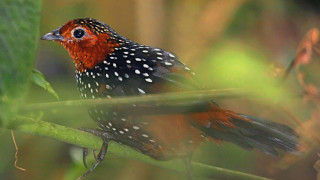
pixel 112 79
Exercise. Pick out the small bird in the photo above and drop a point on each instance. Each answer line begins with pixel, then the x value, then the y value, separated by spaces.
pixel 109 65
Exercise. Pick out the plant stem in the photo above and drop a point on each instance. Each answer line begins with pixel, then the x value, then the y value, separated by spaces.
pixel 158 99
pixel 83 139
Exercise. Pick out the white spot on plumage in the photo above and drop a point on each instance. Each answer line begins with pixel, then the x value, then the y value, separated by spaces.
pixel 135 127
pixel 148 80
pixel 137 71
pixel 138 59
pixel 171 55
pixel 145 135
pixel 141 91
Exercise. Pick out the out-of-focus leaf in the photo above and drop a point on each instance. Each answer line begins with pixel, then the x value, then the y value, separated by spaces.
pixel 235 65
pixel 39 79
pixel 304 51
pixel 306 47
pixel 19 29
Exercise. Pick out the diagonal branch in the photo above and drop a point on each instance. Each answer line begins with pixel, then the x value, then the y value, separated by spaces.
pixel 83 139
pixel 156 100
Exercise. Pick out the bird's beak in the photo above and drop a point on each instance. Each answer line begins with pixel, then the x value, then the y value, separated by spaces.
pixel 53 35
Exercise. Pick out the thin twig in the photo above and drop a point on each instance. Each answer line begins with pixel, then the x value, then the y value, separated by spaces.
pixel 289 69
pixel 16 154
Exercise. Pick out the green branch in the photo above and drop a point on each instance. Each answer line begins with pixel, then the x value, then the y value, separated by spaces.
pixel 157 99
pixel 83 139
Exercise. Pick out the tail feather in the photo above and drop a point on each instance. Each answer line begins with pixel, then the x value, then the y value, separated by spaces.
pixel 252 132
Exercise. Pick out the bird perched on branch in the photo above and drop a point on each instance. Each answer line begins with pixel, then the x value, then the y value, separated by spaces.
pixel 109 65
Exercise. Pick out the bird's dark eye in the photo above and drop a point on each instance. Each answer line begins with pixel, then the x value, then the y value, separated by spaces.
pixel 78 33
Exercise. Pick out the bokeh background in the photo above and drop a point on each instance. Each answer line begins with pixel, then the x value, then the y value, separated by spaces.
pixel 234 43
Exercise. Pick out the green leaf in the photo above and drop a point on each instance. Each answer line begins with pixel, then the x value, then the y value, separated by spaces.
pixel 19 36
pixel 39 79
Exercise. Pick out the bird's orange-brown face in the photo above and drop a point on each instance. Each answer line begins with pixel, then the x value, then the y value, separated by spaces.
pixel 87 44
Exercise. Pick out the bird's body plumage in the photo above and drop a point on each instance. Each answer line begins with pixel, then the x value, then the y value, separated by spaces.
pixel 109 65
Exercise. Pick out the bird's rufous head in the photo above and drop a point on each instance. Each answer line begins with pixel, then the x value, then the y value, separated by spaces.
pixel 88 41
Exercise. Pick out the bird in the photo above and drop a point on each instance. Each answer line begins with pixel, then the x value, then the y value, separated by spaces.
pixel 108 65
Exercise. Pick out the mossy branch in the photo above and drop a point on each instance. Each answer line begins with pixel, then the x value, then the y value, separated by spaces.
pixel 83 139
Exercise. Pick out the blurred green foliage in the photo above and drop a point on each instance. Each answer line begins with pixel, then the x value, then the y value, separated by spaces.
pixel 237 65
pixel 19 29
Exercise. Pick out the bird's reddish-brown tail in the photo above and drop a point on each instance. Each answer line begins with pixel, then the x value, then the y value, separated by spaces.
pixel 246 131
